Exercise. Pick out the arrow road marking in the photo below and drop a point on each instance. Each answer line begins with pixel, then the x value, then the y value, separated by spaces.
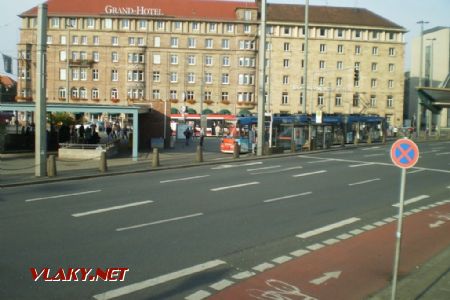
pixel 436 224
pixel 326 276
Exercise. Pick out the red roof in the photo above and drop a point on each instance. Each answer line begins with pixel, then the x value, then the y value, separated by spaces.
pixel 192 9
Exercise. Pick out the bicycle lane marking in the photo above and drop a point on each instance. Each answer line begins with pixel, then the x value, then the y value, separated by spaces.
pixel 353 268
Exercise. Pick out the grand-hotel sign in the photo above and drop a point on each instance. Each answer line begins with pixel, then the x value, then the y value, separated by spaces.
pixel 133 11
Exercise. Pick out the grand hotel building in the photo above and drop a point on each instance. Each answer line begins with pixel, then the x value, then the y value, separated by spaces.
pixel 203 55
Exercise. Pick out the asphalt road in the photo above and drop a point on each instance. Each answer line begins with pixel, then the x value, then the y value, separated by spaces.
pixel 181 230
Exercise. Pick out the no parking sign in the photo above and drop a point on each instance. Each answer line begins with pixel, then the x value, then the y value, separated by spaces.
pixel 404 153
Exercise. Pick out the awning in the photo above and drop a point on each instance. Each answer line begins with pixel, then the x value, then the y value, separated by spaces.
pixel 434 99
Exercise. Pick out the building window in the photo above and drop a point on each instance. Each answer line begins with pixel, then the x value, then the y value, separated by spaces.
pixel 225 78
pixel 96 40
pixel 338 100
pixel 156 76
pixel 62 74
pixel 174 59
pixel 114 75
pixel 357 50
pixel 230 28
pixel 286 63
pixel 173 77
pixel 355 100
pixel 322 32
pixel 320 100
pixel 374 50
pixel 90 23
pixel 191 77
pixel 125 24
pixel 115 41
pixel 284 98
pixel 95 75
pixel 62 93
pixel 391 51
pixel 190 95
pixel 208 60
pixel 225 61
pixel 245 97
pixel 83 93
pixel 142 24
pixel 75 93
pixel 114 56
pixel 246 44
pixel 321 64
pixel 285 79
pixel 191 60
pixel 391 36
pixel 177 25
pixel 373 83
pixel 246 79
pixel 340 33
pixel 75 74
pixel 83 74
pixel 390 101
pixel 54 22
pixel 212 27
pixel 156 59
pixel 195 26
pixel 323 48
pixel 107 23
pixel 357 34
pixel 156 95
pixel 287 47
pixel 339 81
pixel 340 49
pixel 287 30
pixel 390 83
pixel 375 35
pixel 207 96
pixel 374 67
pixel 174 42
pixel 208 43
pixel 339 65
pixel 160 25
pixel 391 67
pixel 192 43
pixel 173 94
pixel 225 96
pixel 373 101
pixel 208 78
pixel 225 44
pixel 131 41
pixel 247 15
pixel 321 81
pixel 247 28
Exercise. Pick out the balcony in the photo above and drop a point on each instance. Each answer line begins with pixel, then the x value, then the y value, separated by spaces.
pixel 81 62
pixel 246 104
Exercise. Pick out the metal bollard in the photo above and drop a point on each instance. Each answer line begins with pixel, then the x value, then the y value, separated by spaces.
pixel 51 166
pixel 236 150
pixel 155 158
pixel 103 166
pixel 199 157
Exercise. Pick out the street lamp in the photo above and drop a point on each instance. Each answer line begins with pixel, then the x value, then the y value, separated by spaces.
pixel 419 114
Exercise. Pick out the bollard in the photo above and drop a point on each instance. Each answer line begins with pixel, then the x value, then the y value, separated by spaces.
pixel 155 158
pixel 236 150
pixel 51 166
pixel 103 166
pixel 199 157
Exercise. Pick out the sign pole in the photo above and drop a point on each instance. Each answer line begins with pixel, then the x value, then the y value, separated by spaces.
pixel 399 234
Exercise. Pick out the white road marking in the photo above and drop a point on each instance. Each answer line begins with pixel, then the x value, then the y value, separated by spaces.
pixel 236 165
pixel 299 252
pixel 199 295
pixel 327 228
pixel 62 196
pixel 278 171
pixel 117 207
pixel 185 178
pixel 310 173
pixel 233 186
pixel 412 200
pixel 319 161
pixel 361 165
pixel 376 154
pixel 363 182
pixel 281 259
pixel 326 276
pixel 414 171
pixel 344 236
pixel 243 275
pixel 370 148
pixel 330 242
pixel 218 286
pixel 264 168
pixel 262 267
pixel 315 247
pixel 287 197
pixel 128 289
pixel 443 153
pixel 160 222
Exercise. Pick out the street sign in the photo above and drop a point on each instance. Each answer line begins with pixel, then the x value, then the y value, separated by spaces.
pixel 404 153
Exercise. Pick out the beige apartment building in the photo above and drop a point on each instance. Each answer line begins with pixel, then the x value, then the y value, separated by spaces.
pixel 202 56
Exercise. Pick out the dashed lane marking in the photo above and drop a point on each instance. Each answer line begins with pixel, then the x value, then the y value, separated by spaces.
pixel 159 222
pixel 328 228
pixel 62 196
pixel 233 186
pixel 413 200
pixel 128 289
pixel 183 179
pixel 287 197
pixel 117 207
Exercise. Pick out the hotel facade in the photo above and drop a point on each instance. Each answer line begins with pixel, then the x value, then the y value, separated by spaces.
pixel 201 56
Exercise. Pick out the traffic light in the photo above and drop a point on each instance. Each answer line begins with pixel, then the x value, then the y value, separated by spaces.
pixel 356 74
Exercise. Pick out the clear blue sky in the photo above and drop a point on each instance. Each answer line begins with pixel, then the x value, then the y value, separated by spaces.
pixel 403 12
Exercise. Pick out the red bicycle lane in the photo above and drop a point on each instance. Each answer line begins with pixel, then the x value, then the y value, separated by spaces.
pixel 354 268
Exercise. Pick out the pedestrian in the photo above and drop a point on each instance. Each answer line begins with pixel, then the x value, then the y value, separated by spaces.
pixel 187 135
pixel 81 133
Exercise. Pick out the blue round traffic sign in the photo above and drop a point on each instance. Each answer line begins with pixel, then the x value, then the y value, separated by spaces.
pixel 404 153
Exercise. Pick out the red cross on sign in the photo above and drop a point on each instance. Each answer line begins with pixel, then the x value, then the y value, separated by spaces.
pixel 404 153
